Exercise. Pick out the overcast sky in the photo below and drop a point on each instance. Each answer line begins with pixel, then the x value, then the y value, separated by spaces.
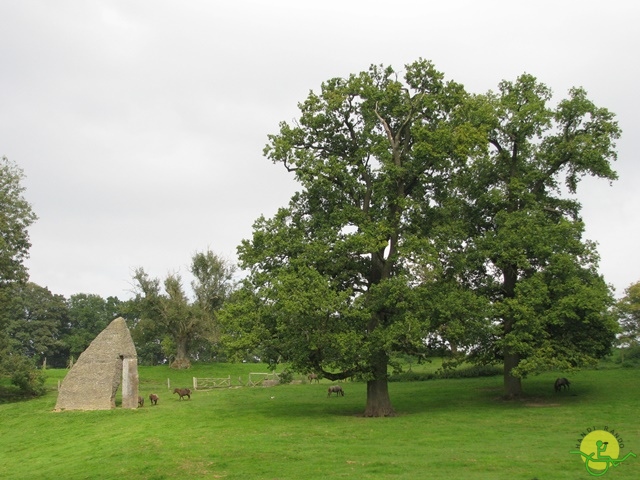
pixel 140 124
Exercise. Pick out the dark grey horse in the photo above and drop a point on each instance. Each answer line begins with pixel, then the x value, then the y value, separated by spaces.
pixel 561 383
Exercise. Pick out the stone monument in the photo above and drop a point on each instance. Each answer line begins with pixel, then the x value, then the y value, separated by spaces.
pixel 93 381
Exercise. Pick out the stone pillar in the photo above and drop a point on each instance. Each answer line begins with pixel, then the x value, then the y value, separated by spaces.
pixel 130 383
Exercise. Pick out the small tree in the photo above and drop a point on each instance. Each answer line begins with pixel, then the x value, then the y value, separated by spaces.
pixel 24 374
pixel 166 312
pixel 170 314
pixel 628 313
pixel 212 286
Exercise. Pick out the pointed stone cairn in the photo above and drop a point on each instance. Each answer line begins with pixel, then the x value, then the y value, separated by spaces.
pixel 110 361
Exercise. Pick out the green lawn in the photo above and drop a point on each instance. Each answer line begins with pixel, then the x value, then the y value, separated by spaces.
pixel 446 429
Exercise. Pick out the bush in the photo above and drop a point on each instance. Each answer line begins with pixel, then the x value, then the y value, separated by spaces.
pixel 411 377
pixel 24 375
pixel 472 372
pixel 285 377
pixel 629 356
pixel 633 353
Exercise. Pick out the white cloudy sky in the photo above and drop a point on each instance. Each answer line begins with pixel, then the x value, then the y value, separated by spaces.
pixel 140 124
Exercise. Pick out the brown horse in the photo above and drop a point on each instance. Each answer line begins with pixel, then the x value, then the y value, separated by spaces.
pixel 140 401
pixel 335 388
pixel 312 377
pixel 560 383
pixel 154 399
pixel 183 392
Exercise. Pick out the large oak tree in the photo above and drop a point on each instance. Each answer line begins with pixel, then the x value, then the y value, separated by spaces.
pixel 330 284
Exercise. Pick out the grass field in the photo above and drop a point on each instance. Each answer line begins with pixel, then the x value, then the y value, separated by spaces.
pixel 445 429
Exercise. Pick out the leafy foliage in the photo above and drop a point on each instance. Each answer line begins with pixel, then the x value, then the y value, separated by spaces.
pixel 35 319
pixel 24 374
pixel 172 324
pixel 330 277
pixel 628 313
pixel 88 315
pixel 16 216
pixel 524 249
pixel 429 218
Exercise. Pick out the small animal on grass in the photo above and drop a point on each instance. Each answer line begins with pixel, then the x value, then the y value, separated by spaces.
pixel 153 398
pixel 183 392
pixel 561 383
pixel 312 377
pixel 140 401
pixel 335 388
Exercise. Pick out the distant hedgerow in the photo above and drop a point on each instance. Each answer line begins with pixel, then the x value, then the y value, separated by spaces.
pixel 466 372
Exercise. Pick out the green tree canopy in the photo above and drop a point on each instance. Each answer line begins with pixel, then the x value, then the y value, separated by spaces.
pixel 89 314
pixel 16 216
pixel 330 277
pixel 35 322
pixel 168 318
pixel 525 250
pixel 628 310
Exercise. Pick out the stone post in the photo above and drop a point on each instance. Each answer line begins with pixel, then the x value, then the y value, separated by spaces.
pixel 130 383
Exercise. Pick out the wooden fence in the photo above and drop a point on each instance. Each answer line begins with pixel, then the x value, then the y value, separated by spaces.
pixel 263 379
pixel 256 379
pixel 209 383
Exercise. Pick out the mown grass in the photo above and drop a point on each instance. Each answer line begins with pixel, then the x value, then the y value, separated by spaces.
pixel 445 429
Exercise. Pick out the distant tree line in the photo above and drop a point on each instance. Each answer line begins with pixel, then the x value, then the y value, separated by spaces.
pixel 167 327
pixel 40 329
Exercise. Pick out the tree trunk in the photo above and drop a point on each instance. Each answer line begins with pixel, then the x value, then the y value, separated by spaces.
pixel 182 360
pixel 378 399
pixel 512 385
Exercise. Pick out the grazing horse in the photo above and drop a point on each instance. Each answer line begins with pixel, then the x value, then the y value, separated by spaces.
pixel 140 401
pixel 335 388
pixel 312 377
pixel 560 383
pixel 154 399
pixel 183 392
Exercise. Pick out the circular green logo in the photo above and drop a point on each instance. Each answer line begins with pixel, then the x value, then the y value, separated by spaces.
pixel 600 450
